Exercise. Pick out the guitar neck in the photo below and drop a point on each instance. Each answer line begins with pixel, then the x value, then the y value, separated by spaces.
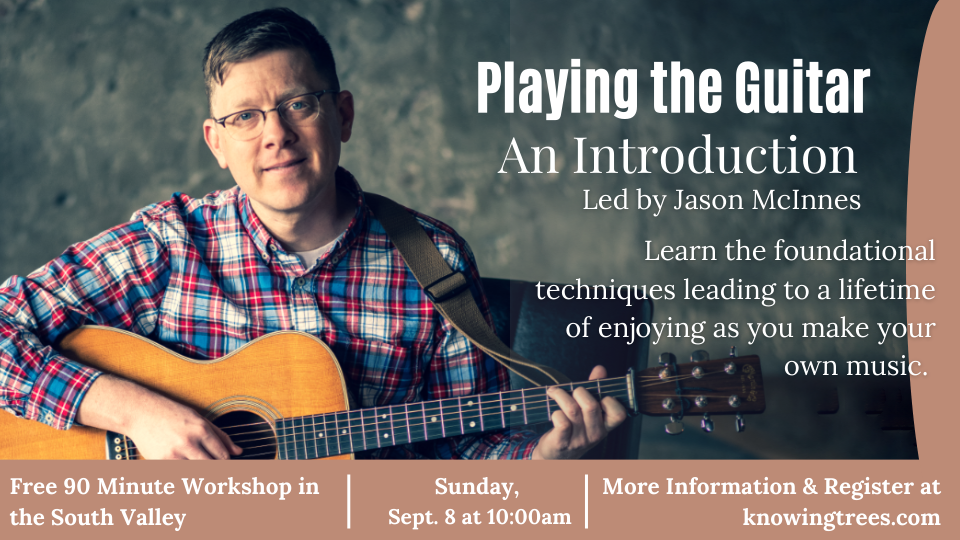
pixel 311 437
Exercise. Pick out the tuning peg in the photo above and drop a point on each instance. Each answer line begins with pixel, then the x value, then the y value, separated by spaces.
pixel 730 368
pixel 699 355
pixel 739 423
pixel 698 372
pixel 706 423
pixel 675 427
pixel 667 359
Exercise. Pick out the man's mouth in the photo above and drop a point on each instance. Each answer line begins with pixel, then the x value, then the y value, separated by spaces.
pixel 285 165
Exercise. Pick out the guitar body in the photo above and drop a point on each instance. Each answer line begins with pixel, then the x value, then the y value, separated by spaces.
pixel 281 375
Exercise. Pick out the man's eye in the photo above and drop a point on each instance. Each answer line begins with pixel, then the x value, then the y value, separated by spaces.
pixel 297 105
pixel 245 117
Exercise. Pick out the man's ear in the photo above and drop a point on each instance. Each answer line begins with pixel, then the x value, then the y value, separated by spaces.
pixel 212 137
pixel 345 109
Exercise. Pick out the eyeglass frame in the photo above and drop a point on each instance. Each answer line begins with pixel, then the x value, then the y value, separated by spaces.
pixel 223 120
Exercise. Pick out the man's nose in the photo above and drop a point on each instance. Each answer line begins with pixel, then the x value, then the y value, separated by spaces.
pixel 276 130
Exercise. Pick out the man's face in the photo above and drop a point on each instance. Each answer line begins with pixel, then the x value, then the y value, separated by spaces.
pixel 287 169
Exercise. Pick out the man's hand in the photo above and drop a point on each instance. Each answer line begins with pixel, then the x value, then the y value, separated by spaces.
pixel 160 427
pixel 580 423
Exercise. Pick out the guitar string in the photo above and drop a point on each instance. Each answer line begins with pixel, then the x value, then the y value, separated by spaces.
pixel 533 407
pixel 404 418
pixel 309 445
pixel 617 381
pixel 590 385
pixel 406 421
pixel 440 406
pixel 364 433
pixel 314 444
pixel 389 416
pixel 364 437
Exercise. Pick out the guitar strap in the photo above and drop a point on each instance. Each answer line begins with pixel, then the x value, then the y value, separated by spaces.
pixel 450 291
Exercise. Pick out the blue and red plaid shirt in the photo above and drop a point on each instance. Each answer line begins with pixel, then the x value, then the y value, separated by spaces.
pixel 204 276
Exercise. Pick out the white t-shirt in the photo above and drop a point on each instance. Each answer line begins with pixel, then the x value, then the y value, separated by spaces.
pixel 310 257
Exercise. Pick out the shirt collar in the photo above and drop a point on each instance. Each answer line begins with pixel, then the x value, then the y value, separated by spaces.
pixel 266 244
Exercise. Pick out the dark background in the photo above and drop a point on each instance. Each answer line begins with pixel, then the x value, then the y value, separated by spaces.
pixel 101 104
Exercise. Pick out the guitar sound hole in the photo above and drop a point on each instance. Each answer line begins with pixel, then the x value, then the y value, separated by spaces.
pixel 251 432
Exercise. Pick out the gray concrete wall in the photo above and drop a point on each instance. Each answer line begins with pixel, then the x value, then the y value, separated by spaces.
pixel 101 104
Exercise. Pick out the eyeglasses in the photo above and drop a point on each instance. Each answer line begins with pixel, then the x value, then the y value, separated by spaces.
pixel 248 124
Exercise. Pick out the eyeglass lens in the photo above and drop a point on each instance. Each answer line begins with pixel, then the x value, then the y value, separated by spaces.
pixel 246 125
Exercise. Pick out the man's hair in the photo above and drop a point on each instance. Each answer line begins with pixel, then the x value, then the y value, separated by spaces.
pixel 265 31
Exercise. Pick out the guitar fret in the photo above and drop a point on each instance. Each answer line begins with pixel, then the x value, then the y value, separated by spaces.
pixel 393 428
pixel 309 445
pixel 298 431
pixel 503 419
pixel 368 423
pixel 357 432
pixel 376 424
pixel 418 408
pixel 391 437
pixel 535 410
pixel 309 437
pixel 283 439
pixel 523 401
pixel 450 413
pixel 406 413
pixel 480 413
pixel 488 414
pixel 323 437
pixel 515 416
pixel 432 420
pixel 336 423
pixel 289 440
pixel 468 420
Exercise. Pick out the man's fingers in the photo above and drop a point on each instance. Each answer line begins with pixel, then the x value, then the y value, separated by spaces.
pixel 562 429
pixel 598 372
pixel 225 439
pixel 567 404
pixel 212 442
pixel 613 412
pixel 593 422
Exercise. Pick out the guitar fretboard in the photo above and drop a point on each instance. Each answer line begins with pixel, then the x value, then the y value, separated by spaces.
pixel 311 437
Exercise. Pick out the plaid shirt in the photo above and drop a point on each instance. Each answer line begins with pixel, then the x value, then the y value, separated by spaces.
pixel 204 276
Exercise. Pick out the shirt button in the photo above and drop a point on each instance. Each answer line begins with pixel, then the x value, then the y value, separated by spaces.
pixel 273 247
pixel 335 259
pixel 48 417
pixel 266 257
pixel 300 282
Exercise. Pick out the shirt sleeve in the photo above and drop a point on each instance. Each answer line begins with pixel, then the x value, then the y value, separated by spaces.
pixel 459 368
pixel 115 279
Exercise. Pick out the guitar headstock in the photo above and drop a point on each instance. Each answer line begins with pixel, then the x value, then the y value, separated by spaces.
pixel 732 385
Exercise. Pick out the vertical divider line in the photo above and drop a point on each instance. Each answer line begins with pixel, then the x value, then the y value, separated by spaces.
pixel 348 501
pixel 586 501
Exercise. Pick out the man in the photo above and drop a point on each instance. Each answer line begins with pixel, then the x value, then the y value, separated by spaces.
pixel 293 246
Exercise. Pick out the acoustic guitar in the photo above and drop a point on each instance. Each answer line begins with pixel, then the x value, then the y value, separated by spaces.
pixel 283 396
